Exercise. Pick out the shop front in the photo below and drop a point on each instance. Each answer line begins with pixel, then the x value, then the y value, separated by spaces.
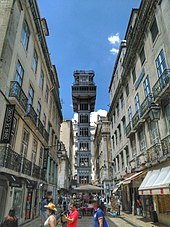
pixel 155 190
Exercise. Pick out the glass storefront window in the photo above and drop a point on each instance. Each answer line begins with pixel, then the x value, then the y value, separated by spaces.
pixel 164 204
pixel 28 205
pixel 17 202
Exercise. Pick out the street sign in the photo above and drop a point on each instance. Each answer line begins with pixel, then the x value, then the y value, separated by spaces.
pixel 7 125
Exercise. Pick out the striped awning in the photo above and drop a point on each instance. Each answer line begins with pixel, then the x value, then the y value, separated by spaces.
pixel 156 182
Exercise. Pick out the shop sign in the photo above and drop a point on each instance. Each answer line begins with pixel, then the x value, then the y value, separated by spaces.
pixel 7 126
pixel 45 160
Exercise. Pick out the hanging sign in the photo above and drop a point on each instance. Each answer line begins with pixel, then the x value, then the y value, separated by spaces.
pixel 7 126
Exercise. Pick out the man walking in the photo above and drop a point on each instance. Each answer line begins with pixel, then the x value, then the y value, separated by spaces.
pixel 98 217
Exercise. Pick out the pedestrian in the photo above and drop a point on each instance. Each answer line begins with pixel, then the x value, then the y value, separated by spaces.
pixel 72 217
pixel 51 220
pixel 98 217
pixel 43 212
pixel 10 220
pixel 118 205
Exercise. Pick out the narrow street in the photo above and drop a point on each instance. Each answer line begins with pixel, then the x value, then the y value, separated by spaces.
pixel 83 222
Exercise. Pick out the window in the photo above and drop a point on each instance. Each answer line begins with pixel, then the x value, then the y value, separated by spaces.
pixel 154 30
pixel 84 132
pixel 35 61
pixel 24 145
pixel 44 120
pixel 137 104
pixel 142 56
pixel 163 204
pixel 161 63
pixel 83 106
pixel 19 73
pixel 127 156
pixel 84 118
pixel 84 146
pixel 167 112
pixel 83 179
pixel 147 87
pixel 38 110
pixel 122 101
pixel 47 94
pixel 41 80
pixel 119 129
pixel 130 114
pixel 116 137
pixel 25 35
pixel 134 75
pixel 122 158
pixel 117 107
pixel 84 162
pixel 133 145
pixel 124 125
pixel 41 157
pixel 13 133
pixel 127 90
pixel 142 140
pixel 118 163
pixel 30 95
pixel 154 136
pixel 34 151
pixel 114 117
pixel 113 141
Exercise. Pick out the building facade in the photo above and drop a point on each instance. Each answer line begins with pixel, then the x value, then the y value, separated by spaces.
pixel 66 164
pixel 84 95
pixel 103 164
pixel 140 110
pixel 30 113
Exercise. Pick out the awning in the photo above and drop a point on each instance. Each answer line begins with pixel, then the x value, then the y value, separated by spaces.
pixel 129 179
pixel 13 180
pixel 88 187
pixel 115 190
pixel 156 182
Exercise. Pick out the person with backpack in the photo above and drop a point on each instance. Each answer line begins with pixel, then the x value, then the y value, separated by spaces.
pixel 10 220
pixel 98 217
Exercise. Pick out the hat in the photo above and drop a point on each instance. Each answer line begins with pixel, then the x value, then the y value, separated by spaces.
pixel 51 206
pixel 95 200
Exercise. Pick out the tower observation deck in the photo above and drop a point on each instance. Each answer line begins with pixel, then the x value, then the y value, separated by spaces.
pixel 84 97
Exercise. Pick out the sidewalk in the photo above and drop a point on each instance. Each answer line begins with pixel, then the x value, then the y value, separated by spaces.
pixel 130 220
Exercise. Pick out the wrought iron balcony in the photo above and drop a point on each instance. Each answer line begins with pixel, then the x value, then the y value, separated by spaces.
pixel 10 159
pixel 36 171
pixel 146 106
pixel 135 119
pixel 46 135
pixel 43 175
pixel 166 146
pixel 32 114
pixel 26 167
pixel 162 86
pixel 129 129
pixel 154 153
pixel 40 126
pixel 17 93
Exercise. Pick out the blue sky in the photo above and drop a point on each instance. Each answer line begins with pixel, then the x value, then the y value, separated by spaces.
pixel 85 34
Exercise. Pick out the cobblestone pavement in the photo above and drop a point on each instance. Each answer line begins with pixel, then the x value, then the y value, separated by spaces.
pixel 83 222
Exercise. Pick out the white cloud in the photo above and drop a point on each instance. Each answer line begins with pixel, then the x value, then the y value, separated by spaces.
pixel 114 39
pixel 114 51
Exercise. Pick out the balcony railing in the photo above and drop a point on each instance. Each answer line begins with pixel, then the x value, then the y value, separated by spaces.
pixel 166 145
pixel 17 92
pixel 10 159
pixel 161 84
pixel 31 113
pixel 154 152
pixel 128 129
pixel 146 105
pixel 36 171
pixel 46 135
pixel 40 127
pixel 135 119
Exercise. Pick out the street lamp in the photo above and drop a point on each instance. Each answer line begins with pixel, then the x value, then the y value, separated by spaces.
pixel 154 113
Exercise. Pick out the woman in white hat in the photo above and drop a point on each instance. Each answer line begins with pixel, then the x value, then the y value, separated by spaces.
pixel 51 220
